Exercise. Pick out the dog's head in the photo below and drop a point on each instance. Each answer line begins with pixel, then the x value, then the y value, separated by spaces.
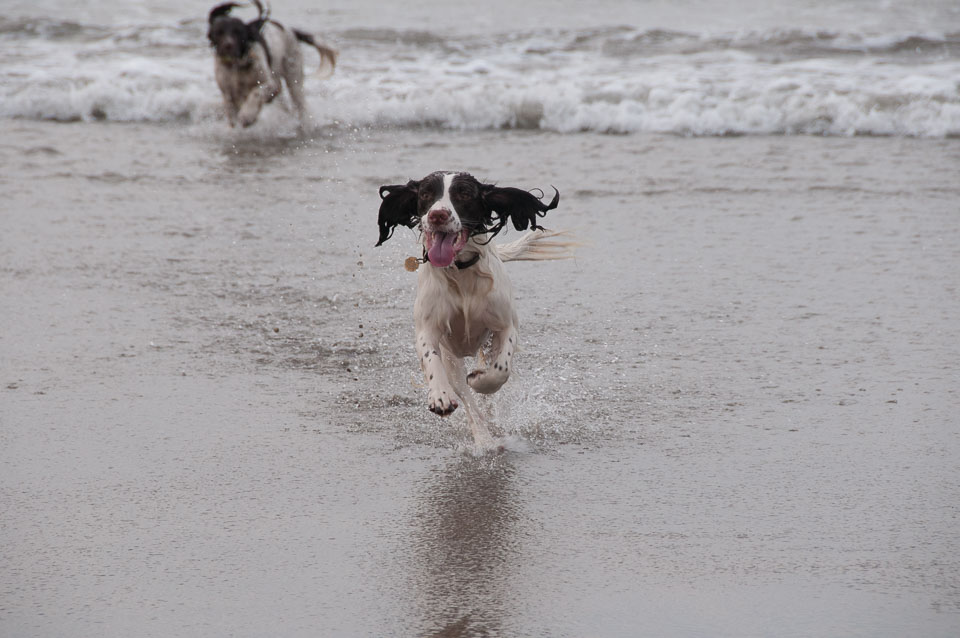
pixel 232 37
pixel 450 208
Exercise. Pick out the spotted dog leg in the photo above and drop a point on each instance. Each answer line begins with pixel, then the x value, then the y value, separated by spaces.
pixel 488 380
pixel 478 425
pixel 441 398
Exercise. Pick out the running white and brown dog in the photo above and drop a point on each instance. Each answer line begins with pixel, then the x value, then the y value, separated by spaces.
pixel 464 305
pixel 254 59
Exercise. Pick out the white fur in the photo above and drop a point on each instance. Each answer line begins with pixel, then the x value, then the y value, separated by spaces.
pixel 457 312
pixel 248 86
pixel 444 202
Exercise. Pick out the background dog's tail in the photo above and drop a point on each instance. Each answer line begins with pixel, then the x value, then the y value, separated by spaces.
pixel 328 56
pixel 539 245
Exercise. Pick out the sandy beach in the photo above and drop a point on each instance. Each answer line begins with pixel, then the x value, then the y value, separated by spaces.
pixel 733 414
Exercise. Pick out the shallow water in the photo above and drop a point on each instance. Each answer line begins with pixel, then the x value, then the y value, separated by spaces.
pixel 732 415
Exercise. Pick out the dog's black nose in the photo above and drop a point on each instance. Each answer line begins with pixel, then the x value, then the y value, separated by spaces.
pixel 227 49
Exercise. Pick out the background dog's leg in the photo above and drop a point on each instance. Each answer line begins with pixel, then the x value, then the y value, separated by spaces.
pixel 481 432
pixel 251 107
pixel 293 72
pixel 231 109
pixel 284 104
pixel 267 88
pixel 299 102
pixel 228 88
pixel 488 379
pixel 442 399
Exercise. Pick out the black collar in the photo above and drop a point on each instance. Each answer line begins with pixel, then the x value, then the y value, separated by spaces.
pixel 463 265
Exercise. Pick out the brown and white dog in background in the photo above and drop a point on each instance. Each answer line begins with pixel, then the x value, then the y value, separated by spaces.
pixel 464 305
pixel 253 58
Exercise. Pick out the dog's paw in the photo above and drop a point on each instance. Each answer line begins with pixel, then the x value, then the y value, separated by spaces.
pixel 443 402
pixel 489 380
pixel 248 115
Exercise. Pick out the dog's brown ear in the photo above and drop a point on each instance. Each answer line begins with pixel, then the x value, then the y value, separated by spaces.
pixel 255 34
pixel 519 206
pixel 221 10
pixel 398 208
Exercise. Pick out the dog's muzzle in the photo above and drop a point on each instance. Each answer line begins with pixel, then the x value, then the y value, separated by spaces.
pixel 442 247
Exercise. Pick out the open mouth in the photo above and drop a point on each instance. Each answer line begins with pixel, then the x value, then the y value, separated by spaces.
pixel 442 248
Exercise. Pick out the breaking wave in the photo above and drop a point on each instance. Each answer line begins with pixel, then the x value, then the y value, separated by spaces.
pixel 612 80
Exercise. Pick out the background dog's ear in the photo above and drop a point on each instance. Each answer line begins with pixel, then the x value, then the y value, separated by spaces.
pixel 221 10
pixel 218 11
pixel 519 206
pixel 255 33
pixel 399 207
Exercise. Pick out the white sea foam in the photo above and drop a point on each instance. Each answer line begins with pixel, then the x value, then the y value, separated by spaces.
pixel 615 80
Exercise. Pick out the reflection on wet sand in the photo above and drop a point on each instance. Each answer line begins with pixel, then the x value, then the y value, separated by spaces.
pixel 464 540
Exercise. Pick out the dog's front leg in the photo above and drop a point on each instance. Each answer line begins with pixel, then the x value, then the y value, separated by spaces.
pixel 267 88
pixel 488 380
pixel 250 109
pixel 442 399
pixel 230 107
pixel 227 81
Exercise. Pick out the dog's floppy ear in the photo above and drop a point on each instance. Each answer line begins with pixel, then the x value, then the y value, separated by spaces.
pixel 221 10
pixel 519 206
pixel 399 207
pixel 255 34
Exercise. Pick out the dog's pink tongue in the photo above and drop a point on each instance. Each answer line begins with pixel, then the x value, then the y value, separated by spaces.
pixel 441 252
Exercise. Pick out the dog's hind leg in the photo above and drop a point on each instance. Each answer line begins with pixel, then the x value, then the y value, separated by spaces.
pixel 488 379
pixel 478 426
pixel 299 102
pixel 293 75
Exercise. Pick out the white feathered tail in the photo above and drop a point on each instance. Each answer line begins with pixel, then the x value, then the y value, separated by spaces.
pixel 539 245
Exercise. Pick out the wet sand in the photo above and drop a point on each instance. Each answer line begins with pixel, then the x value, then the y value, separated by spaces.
pixel 733 415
